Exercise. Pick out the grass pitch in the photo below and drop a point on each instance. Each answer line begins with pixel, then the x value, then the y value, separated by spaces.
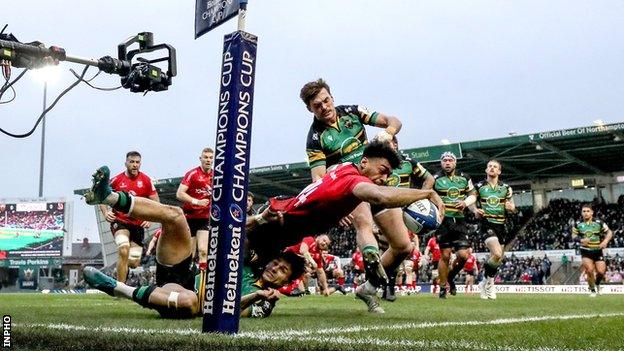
pixel 512 322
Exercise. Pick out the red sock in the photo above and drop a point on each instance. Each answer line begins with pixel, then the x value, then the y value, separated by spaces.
pixel 203 266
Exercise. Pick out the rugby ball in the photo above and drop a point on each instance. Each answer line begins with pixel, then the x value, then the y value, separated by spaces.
pixel 421 216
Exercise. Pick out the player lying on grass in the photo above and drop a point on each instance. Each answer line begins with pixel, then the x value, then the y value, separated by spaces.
pixel 322 204
pixel 175 294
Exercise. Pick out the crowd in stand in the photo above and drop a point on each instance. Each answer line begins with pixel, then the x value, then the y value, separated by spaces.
pixel 53 219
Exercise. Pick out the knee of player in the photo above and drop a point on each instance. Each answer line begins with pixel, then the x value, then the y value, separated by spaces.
pixel 174 213
pixel 496 256
pixel 123 251
pixel 187 300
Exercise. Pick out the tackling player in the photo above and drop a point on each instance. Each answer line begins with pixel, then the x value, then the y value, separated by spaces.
pixel 457 192
pixel 173 296
pixel 129 232
pixel 495 201
pixel 195 192
pixel 594 236
pixel 337 134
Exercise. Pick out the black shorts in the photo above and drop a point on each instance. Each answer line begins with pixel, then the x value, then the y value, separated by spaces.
pixel 182 274
pixel 137 233
pixel 495 230
pixel 594 255
pixel 196 224
pixel 453 233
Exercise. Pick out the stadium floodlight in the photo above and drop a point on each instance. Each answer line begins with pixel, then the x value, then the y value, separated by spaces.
pixel 46 74
pixel 599 122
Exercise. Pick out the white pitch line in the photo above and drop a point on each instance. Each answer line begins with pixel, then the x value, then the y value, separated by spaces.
pixel 318 334
pixel 334 340
pixel 427 325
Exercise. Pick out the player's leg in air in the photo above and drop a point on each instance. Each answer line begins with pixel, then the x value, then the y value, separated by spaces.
pixel 173 296
pixel 490 267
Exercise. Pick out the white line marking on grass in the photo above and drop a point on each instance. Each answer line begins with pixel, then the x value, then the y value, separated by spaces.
pixel 271 336
pixel 426 325
pixel 318 335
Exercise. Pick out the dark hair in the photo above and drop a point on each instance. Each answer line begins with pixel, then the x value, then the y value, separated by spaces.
pixel 379 149
pixel 296 262
pixel 587 205
pixel 133 153
pixel 311 89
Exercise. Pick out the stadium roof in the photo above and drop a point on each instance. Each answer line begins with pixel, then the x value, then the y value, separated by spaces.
pixel 582 151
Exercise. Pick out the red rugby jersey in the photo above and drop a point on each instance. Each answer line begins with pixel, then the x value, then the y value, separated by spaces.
pixel 434 248
pixel 140 186
pixel 199 185
pixel 323 203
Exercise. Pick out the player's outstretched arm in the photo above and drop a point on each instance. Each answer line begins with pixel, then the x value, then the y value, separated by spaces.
pixel 394 197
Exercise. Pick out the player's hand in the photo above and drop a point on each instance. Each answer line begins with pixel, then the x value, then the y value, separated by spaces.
pixel 110 216
pixel 383 136
pixel 509 206
pixel 437 201
pixel 346 221
pixel 479 213
pixel 273 216
pixel 584 241
pixel 269 294
pixel 313 265
pixel 325 292
pixel 146 224
pixel 461 205
pixel 603 245
pixel 203 203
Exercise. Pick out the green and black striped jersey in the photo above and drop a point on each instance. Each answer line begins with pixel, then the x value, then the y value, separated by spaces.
pixel 342 142
pixel 594 230
pixel 409 174
pixel 491 199
pixel 452 190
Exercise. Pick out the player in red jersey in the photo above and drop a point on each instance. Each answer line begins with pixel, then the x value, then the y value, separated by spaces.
pixel 333 272
pixel 322 204
pixel 357 262
pixel 434 249
pixel 129 232
pixel 195 192
pixel 310 249
pixel 471 269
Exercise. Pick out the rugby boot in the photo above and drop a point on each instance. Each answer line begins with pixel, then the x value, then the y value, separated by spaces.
pixel 371 300
pixel 99 280
pixel 375 273
pixel 483 289
pixel 100 189
pixel 452 288
pixel 389 294
pixel 592 293
pixel 442 293
pixel 341 289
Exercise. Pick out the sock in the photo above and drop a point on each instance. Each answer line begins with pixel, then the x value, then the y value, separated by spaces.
pixel 599 279
pixel 124 202
pixel 491 268
pixel 124 290
pixel 203 266
pixel 141 295
pixel 369 288
pixel 370 248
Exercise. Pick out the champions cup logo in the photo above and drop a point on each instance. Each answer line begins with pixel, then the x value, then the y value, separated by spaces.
pixel 236 212
pixel 215 213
